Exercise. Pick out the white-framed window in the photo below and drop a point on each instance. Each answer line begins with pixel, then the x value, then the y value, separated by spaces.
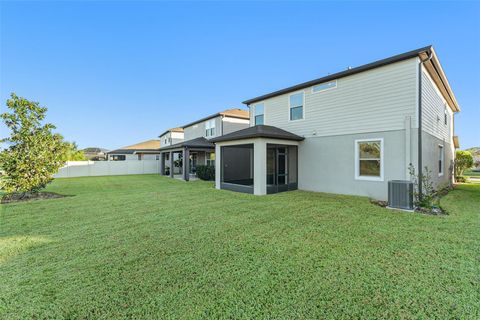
pixel 369 159
pixel 259 114
pixel 210 159
pixel 445 115
pixel 324 86
pixel 157 157
pixel 210 128
pixel 296 104
pixel 441 159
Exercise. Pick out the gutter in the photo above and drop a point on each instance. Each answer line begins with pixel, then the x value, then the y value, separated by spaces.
pixel 420 160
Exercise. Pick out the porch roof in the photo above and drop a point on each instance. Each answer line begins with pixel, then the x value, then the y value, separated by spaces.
pixel 200 143
pixel 259 131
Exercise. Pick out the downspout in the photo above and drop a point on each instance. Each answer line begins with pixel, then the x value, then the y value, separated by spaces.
pixel 420 164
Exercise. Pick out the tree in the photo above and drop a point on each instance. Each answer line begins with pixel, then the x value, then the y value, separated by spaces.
pixel 463 161
pixel 477 164
pixel 73 154
pixel 34 152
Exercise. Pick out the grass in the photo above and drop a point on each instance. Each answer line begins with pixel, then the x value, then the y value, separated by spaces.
pixel 152 247
pixel 471 173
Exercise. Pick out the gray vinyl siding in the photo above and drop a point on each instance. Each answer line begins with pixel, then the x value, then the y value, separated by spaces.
pixel 198 130
pixel 168 136
pixel 433 106
pixel 229 127
pixel 371 101
pixel 162 140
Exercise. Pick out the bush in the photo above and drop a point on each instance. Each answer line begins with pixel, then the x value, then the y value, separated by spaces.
pixel 461 179
pixel 463 161
pixel 34 153
pixel 206 172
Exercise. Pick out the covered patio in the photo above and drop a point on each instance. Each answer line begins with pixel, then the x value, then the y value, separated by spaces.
pixel 199 151
pixel 258 160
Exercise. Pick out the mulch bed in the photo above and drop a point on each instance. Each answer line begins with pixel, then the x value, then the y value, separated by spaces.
pixel 21 197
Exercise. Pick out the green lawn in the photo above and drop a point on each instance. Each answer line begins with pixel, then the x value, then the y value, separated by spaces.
pixel 152 247
pixel 471 173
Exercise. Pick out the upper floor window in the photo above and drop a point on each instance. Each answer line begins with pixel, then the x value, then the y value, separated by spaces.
pixel 369 159
pixel 259 113
pixel 445 115
pixel 324 86
pixel 296 106
pixel 210 128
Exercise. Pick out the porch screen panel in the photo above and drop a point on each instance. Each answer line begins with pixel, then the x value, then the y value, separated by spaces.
pixel 292 164
pixel 237 164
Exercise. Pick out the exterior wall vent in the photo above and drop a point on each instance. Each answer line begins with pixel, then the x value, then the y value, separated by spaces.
pixel 400 194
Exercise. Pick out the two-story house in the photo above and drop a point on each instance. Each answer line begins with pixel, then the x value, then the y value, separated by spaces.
pixel 195 145
pixel 171 136
pixel 349 133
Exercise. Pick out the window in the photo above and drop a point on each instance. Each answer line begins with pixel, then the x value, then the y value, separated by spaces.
pixel 165 140
pixel 369 159
pixel 324 86
pixel 210 128
pixel 139 156
pixel 210 159
pixel 296 106
pixel 445 115
pixel 117 157
pixel 259 114
pixel 157 157
pixel 441 157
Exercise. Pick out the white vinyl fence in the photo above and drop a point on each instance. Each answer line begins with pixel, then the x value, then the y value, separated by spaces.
pixel 107 168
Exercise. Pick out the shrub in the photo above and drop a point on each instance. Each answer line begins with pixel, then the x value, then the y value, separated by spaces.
pixel 34 152
pixel 461 179
pixel 463 161
pixel 426 199
pixel 206 172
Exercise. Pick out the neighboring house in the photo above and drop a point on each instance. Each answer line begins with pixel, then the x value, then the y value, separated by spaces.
pixel 146 150
pixel 350 132
pixel 171 136
pixel 196 145
pixel 95 154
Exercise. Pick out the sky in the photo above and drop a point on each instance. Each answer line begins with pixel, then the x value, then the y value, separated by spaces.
pixel 116 73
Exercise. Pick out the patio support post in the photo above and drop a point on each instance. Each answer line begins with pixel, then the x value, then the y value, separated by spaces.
pixel 171 164
pixel 162 164
pixel 186 164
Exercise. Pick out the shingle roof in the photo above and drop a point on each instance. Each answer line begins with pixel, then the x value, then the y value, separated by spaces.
pixel 178 129
pixel 234 113
pixel 259 131
pixel 145 146
pixel 122 151
pixel 200 142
